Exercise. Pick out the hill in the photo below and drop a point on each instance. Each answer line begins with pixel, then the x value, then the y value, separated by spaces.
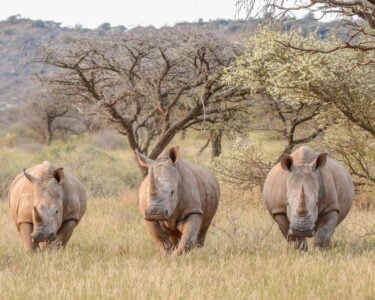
pixel 21 39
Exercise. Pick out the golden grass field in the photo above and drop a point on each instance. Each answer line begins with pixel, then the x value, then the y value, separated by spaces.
pixel 111 256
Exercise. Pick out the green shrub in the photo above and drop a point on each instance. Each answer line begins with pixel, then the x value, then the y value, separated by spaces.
pixel 102 173
pixel 12 161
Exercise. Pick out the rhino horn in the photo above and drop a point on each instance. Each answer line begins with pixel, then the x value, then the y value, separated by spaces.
pixel 153 182
pixel 301 203
pixel 37 216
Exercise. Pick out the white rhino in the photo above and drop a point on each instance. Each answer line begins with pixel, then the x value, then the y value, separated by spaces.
pixel 46 204
pixel 178 200
pixel 308 194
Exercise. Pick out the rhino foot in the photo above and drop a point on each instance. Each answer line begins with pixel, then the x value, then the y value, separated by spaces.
pixel 298 242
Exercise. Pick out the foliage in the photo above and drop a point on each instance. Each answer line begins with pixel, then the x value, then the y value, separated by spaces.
pixel 51 116
pixel 101 173
pixel 337 71
pixel 355 148
pixel 245 167
pixel 149 86
pixel 344 93
pixel 261 68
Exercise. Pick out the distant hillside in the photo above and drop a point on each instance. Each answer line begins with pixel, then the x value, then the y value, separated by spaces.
pixel 20 40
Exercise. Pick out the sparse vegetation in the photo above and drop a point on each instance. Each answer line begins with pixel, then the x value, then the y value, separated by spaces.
pixel 160 88
pixel 111 256
pixel 103 173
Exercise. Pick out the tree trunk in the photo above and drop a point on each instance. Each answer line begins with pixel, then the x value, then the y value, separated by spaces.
pixel 49 133
pixel 215 137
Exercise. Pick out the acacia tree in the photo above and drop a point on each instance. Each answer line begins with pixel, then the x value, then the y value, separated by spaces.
pixel 359 15
pixel 229 124
pixel 261 68
pixel 294 121
pixel 344 94
pixel 354 52
pixel 50 115
pixel 150 84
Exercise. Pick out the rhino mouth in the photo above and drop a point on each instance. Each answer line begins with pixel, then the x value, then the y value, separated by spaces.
pixel 43 238
pixel 156 214
pixel 294 232
pixel 155 217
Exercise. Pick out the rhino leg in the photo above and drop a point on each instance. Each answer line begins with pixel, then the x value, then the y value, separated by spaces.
pixel 202 237
pixel 190 228
pixel 283 223
pixel 325 229
pixel 63 235
pixel 299 243
pixel 161 238
pixel 25 231
pixel 43 245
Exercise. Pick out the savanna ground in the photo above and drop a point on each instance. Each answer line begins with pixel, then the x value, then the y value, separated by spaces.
pixel 111 256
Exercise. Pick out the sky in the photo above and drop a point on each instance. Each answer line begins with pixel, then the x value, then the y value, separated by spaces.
pixel 130 13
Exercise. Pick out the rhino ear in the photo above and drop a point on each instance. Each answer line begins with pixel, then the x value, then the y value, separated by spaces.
pixel 320 161
pixel 286 162
pixel 30 177
pixel 174 154
pixel 143 160
pixel 59 175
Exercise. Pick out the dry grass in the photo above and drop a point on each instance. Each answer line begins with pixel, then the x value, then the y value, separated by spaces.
pixel 111 256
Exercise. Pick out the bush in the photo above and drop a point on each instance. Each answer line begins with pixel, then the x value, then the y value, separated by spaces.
pixel 244 167
pixel 12 161
pixel 102 174
pixel 110 140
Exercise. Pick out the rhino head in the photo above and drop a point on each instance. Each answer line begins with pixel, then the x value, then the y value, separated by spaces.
pixel 303 190
pixel 164 179
pixel 47 205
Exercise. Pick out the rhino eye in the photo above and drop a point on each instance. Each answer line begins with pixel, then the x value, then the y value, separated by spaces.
pixel 57 211
pixel 172 192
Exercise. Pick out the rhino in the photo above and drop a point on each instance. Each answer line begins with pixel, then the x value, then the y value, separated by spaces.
pixel 308 194
pixel 46 204
pixel 178 200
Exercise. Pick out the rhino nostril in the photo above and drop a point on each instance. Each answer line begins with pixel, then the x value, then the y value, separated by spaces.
pixel 166 212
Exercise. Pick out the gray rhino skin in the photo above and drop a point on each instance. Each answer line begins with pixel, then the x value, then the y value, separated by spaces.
pixel 308 194
pixel 178 200
pixel 46 204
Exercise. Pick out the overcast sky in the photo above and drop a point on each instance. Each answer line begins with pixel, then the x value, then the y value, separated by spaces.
pixel 91 13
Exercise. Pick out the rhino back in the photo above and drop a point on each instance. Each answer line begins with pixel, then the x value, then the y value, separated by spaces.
pixel 338 186
pixel 20 199
pixel 143 194
pixel 274 190
pixel 75 198
pixel 201 190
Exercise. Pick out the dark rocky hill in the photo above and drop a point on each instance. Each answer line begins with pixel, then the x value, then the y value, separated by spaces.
pixel 21 39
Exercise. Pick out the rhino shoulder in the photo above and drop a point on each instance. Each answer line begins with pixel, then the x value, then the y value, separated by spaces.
pixel 75 198
pixel 20 200
pixel 274 190
pixel 143 194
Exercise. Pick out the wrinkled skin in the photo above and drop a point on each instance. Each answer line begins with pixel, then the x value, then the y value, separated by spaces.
pixel 46 204
pixel 308 195
pixel 178 201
